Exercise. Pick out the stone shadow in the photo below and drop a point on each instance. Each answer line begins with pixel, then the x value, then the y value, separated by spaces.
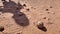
pixel 43 28
pixel 15 8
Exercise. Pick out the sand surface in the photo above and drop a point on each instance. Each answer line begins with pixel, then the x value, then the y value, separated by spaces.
pixel 47 11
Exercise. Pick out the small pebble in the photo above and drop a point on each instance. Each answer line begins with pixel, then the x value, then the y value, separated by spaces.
pixel 24 5
pixel 27 9
pixel 47 9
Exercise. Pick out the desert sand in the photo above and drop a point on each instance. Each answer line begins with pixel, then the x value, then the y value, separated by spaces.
pixel 24 16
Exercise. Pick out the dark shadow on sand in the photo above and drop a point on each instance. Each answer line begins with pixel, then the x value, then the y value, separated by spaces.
pixel 43 28
pixel 15 8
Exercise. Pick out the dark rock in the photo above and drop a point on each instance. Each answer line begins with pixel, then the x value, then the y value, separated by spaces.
pixel 24 5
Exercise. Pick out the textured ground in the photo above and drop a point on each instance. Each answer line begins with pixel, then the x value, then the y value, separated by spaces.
pixel 47 11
